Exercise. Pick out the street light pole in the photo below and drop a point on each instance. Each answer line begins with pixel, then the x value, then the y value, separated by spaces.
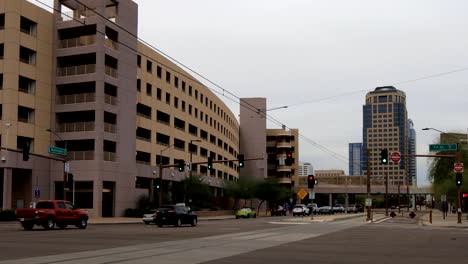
pixel 191 165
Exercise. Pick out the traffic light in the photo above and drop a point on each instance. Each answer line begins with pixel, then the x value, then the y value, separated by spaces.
pixel 458 179
pixel 157 184
pixel 384 156
pixel 26 151
pixel 181 165
pixel 240 157
pixel 70 181
pixel 310 181
pixel 210 163
pixel 289 159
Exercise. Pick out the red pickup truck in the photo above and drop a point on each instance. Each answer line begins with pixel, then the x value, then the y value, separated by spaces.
pixel 51 213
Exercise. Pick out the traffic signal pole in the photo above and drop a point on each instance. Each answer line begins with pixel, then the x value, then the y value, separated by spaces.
pixel 459 191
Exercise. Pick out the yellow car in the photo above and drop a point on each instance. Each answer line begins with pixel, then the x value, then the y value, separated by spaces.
pixel 246 213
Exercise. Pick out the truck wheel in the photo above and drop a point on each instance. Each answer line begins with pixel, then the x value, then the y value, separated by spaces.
pixel 50 224
pixel 83 223
pixel 28 226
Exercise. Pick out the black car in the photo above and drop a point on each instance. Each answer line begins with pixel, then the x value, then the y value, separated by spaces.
pixel 175 215
pixel 278 211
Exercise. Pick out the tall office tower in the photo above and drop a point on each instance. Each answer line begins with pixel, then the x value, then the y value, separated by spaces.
pixel 412 176
pixel 385 126
pixel 355 159
pixel 304 169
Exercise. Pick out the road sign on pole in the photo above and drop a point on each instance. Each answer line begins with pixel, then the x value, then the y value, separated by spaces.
pixel 37 193
pixel 442 147
pixel 458 167
pixel 395 157
pixel 58 151
pixel 302 193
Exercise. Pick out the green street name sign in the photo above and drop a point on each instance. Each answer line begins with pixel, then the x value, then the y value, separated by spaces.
pixel 442 147
pixel 58 151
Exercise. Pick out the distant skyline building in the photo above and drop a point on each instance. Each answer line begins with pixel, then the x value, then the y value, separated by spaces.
pixel 412 175
pixel 355 159
pixel 385 126
pixel 304 169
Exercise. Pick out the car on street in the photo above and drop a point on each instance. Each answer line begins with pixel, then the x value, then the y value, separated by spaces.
pixel 300 209
pixel 245 213
pixel 52 213
pixel 150 217
pixel 278 211
pixel 352 209
pixel 338 208
pixel 325 210
pixel 313 208
pixel 176 215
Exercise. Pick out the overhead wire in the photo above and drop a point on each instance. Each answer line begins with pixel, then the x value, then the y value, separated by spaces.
pixel 224 91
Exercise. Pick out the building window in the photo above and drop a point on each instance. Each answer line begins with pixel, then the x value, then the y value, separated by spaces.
pixel 138 61
pixel 168 98
pixel 27 55
pixel 149 89
pixel 176 82
pixel 168 77
pixel 158 71
pixel 138 85
pixel 26 85
pixel 149 66
pixel 28 26
pixel 158 93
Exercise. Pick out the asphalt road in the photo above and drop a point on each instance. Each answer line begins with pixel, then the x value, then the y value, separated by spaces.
pixel 16 243
pixel 261 240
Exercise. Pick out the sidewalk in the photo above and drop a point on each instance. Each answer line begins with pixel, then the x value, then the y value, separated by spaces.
pixel 450 220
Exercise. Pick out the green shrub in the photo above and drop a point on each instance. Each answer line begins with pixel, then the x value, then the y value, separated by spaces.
pixel 7 215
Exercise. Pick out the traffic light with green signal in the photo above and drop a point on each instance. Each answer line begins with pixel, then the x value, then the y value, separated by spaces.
pixel 384 156
pixel 210 163
pixel 459 179
pixel 240 157
pixel 180 165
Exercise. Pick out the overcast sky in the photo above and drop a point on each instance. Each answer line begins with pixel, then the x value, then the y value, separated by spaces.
pixel 297 52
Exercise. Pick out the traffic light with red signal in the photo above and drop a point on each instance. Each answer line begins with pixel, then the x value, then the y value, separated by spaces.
pixel 289 158
pixel 311 181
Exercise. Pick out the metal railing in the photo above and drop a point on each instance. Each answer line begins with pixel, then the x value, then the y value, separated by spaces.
pixel 111 44
pixel 76 98
pixel 80 155
pixel 109 156
pixel 111 128
pixel 76 70
pixel 110 71
pixel 109 99
pixel 75 127
pixel 77 42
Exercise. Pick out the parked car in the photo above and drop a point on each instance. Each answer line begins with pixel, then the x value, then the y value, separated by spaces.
pixel 325 210
pixel 150 217
pixel 51 213
pixel 278 211
pixel 352 209
pixel 338 208
pixel 175 215
pixel 313 208
pixel 300 209
pixel 245 213
pixel 359 208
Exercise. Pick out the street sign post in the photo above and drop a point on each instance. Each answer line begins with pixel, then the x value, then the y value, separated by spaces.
pixel 395 157
pixel 442 147
pixel 458 167
pixel 66 167
pixel 58 151
pixel 311 195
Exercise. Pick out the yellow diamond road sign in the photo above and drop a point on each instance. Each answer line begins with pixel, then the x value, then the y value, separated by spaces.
pixel 302 193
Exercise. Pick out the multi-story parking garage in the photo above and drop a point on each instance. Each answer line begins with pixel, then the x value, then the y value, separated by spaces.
pixel 79 79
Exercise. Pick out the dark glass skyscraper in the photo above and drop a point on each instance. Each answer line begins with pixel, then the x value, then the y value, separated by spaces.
pixel 385 126
pixel 355 159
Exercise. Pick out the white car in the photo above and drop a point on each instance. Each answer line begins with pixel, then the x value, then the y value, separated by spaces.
pixel 300 209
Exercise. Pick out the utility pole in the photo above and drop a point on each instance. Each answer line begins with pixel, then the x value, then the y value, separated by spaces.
pixel 368 185
pixel 459 221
